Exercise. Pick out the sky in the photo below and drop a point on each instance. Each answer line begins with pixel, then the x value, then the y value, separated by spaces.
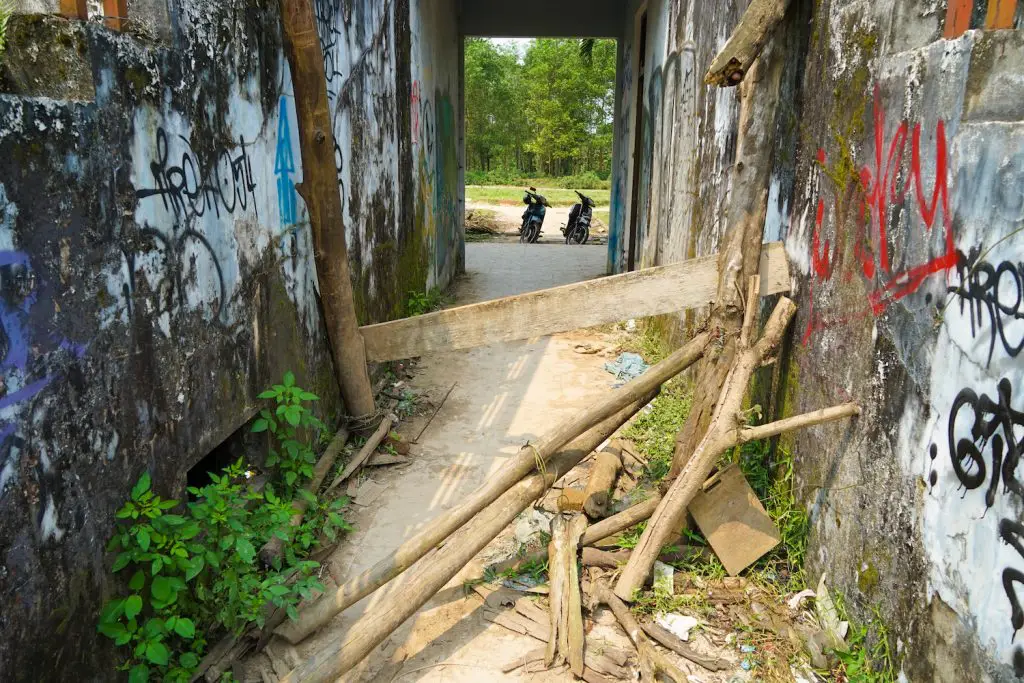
pixel 518 43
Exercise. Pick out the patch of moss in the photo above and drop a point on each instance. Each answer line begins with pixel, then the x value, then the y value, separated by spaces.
pixel 867 578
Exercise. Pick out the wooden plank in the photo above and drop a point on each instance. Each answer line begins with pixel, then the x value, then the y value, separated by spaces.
pixel 1000 14
pixel 642 293
pixel 733 520
pixel 115 13
pixel 958 18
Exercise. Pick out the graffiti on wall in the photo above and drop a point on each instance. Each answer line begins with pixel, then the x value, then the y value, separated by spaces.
pixel 866 238
pixel 993 295
pixel 284 167
pixel 189 190
pixel 984 445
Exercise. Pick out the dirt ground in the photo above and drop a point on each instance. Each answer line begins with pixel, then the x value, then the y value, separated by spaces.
pixel 498 398
pixel 507 219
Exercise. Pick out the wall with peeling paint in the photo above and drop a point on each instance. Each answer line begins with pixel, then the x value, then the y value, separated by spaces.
pixel 905 234
pixel 897 187
pixel 438 202
pixel 156 268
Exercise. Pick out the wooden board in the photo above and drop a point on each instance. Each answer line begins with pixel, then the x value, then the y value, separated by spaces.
pixel 733 520
pixel 642 293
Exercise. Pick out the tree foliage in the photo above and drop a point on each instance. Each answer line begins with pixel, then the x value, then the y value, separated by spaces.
pixel 549 113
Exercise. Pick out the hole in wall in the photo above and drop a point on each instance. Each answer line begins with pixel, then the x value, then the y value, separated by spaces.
pixel 242 443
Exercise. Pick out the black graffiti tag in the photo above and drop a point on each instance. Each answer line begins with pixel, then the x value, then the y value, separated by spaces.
pixel 190 191
pixel 994 295
pixel 992 444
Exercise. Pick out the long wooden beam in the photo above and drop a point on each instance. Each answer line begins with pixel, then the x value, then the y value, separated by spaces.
pixel 641 293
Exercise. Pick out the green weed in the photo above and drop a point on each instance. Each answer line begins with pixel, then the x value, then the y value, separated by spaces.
pixel 868 659
pixel 419 303
pixel 654 430
pixel 195 575
pixel 513 194
pixel 6 12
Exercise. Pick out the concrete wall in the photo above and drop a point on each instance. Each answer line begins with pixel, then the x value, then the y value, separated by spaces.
pixel 897 187
pixel 156 267
pixel 542 19
pixel 905 232
pixel 437 149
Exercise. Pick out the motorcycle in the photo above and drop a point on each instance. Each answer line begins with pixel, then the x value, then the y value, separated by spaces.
pixel 577 230
pixel 533 217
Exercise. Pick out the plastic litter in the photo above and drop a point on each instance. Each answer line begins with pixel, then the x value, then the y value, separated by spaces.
pixel 664 578
pixel 678 624
pixel 626 367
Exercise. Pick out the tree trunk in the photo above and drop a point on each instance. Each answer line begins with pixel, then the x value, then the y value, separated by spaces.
pixel 741 252
pixel 319 189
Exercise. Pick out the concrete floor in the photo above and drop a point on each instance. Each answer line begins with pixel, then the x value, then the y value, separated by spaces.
pixel 504 395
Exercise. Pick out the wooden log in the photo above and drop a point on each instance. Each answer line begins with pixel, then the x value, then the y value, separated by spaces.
pixel 626 519
pixel 641 293
pixel 319 189
pixel 565 638
pixel 529 458
pixel 756 25
pixel 365 452
pixel 597 495
pixel 433 571
pixel 669 640
pixel 652 662
pixel 592 557
pixel 723 433
pixel 273 550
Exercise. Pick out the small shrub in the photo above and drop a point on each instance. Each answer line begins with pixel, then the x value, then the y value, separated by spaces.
pixel 419 303
pixel 195 575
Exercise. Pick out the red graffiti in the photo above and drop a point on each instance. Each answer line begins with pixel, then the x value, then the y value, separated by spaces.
pixel 415 102
pixel 871 206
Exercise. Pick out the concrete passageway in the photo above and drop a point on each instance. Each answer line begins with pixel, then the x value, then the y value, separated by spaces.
pixel 504 396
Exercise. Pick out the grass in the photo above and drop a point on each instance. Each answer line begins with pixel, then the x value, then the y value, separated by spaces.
pixel 603 215
pixel 513 194
pixel 654 430
pixel 869 658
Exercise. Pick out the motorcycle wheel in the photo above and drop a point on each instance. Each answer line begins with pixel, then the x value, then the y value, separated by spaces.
pixel 530 234
pixel 577 235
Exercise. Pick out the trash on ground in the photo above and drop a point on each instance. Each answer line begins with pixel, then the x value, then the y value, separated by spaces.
pixel 679 624
pixel 628 366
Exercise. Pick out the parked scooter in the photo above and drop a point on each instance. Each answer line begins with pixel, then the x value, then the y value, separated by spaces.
pixel 533 217
pixel 577 230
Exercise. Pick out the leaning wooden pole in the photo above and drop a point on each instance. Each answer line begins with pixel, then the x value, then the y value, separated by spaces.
pixel 319 189
pixel 431 573
pixel 529 458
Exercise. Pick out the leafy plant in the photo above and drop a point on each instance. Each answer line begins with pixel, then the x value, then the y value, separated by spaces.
pixel 419 303
pixel 196 574
pixel 654 430
pixel 868 658
pixel 286 422
pixel 6 12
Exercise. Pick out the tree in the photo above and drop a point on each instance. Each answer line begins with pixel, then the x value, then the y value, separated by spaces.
pixel 552 112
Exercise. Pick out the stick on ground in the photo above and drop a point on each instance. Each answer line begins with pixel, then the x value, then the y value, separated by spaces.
pixel 527 460
pixel 432 572
pixel 365 452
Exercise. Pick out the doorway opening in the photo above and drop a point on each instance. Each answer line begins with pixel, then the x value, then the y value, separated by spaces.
pixel 539 129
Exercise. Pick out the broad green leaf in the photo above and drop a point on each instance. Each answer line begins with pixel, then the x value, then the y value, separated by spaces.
pixel 196 565
pixel 141 486
pixel 290 477
pixel 157 565
pixel 138 581
pixel 157 653
pixel 260 425
pixel 189 661
pixel 161 588
pixel 278 590
pixel 292 613
pixel 143 538
pixel 122 561
pixel 245 550
pixel 185 628
pixel 139 674
pixel 113 630
pixel 269 393
pixel 132 606
pixel 289 379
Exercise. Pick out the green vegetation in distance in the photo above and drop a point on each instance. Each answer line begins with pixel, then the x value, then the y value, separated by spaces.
pixel 499 194
pixel 547 114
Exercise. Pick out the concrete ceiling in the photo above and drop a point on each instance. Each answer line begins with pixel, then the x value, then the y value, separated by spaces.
pixel 543 18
